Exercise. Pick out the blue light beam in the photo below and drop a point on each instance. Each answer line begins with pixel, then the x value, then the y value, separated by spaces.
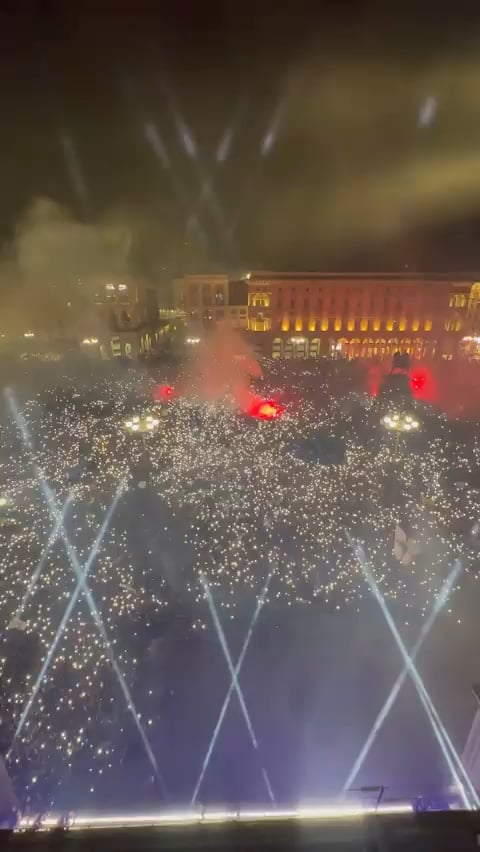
pixel 236 685
pixel 270 137
pixel 224 146
pixel 222 152
pixel 55 533
pixel 238 667
pixel 63 623
pixel 82 587
pixel 206 183
pixel 75 171
pixel 438 727
pixel 425 630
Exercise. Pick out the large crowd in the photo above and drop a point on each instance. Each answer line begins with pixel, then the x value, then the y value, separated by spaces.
pixel 208 494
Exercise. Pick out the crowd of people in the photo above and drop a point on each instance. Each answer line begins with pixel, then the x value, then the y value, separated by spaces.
pixel 208 495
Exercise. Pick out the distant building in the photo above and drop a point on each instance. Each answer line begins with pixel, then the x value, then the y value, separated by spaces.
pixel 206 299
pixel 364 315
pixel 128 323
pixel 356 315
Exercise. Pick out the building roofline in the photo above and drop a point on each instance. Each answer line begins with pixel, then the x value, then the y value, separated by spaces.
pixel 394 276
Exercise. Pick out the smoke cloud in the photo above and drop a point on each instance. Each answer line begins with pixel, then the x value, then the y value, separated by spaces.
pixel 50 270
pixel 223 368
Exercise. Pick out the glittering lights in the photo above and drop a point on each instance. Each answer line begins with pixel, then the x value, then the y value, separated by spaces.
pixel 400 422
pixel 235 497
pixel 147 423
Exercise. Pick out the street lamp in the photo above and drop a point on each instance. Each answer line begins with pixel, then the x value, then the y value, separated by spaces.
pixel 141 424
pixel 400 422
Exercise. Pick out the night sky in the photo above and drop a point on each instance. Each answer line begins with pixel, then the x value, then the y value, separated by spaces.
pixel 320 135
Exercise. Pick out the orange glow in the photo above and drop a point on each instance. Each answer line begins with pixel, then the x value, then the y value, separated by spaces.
pixel 364 325
pixel 402 324
pixel 324 324
pixel 428 325
pixel 389 325
pixel 376 325
pixel 298 324
pixel 311 324
pixel 415 325
pixel 338 324
pixel 264 409
pixel 351 325
pixel 285 324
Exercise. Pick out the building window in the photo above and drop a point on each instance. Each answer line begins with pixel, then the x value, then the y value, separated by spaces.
pixel 259 300
pixel 311 324
pixel 402 325
pixel 389 325
pixel 285 324
pixel 351 325
pixel 376 325
pixel 458 301
pixel 324 324
pixel 277 348
pixel 415 325
pixel 298 324
pixel 338 324
pixel 458 325
pixel 364 324
pixel 427 325
pixel 193 295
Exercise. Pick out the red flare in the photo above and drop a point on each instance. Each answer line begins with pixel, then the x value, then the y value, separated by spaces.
pixel 164 393
pixel 264 409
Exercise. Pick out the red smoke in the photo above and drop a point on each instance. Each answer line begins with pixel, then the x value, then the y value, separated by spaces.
pixel 376 372
pixel 223 368
pixel 423 384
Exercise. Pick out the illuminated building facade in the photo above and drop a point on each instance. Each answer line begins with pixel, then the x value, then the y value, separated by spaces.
pixel 206 299
pixel 356 315
pixel 306 315
pixel 127 319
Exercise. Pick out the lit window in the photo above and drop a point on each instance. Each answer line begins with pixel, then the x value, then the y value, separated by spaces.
pixel 324 324
pixel 364 325
pixel 376 325
pixel 458 325
pixel 427 325
pixel 311 324
pixel 402 324
pixel 350 325
pixel 415 325
pixel 389 325
pixel 338 324
pixel 285 324
pixel 298 324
